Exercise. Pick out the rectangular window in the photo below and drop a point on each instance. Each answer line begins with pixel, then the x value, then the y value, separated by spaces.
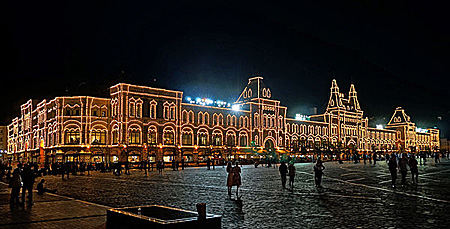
pixel 152 138
pixel 135 138
pixel 187 139
pixel 203 140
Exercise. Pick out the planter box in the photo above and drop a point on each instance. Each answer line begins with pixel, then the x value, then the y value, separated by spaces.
pixel 156 216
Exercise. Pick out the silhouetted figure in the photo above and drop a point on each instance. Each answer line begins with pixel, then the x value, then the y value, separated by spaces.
pixel 318 172
pixel 28 183
pixel 283 172
pixel 229 177
pixel 15 183
pixel 374 158
pixel 208 163
pixel 42 189
pixel 414 169
pixel 291 169
pixel 392 163
pixel 402 164
pixel 182 163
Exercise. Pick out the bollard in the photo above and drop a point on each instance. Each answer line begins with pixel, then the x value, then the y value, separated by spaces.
pixel 201 209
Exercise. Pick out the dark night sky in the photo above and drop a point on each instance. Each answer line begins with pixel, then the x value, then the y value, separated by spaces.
pixel 396 53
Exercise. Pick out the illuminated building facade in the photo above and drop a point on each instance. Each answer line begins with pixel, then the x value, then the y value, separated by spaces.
pixel 143 123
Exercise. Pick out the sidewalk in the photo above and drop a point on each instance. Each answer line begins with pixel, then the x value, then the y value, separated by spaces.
pixel 50 211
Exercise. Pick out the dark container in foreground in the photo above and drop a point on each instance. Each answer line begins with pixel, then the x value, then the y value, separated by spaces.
pixel 156 216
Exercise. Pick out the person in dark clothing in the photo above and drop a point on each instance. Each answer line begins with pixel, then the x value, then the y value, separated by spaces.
pixel 182 164
pixel 283 172
pixel 374 158
pixel 402 165
pixel 28 182
pixel 42 189
pixel 127 168
pixel 392 163
pixel 291 172
pixel 208 163
pixel 414 170
pixel 15 183
pixel 318 173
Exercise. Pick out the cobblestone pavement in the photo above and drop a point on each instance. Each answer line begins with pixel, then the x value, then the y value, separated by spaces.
pixel 353 196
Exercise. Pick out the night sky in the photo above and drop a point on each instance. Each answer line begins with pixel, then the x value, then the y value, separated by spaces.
pixel 396 53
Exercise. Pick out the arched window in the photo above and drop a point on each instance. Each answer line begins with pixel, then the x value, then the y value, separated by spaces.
pixel 72 136
pixel 185 116
pixel 115 135
pixel 135 136
pixel 153 104
pixel 152 133
pixel 243 140
pixel 202 138
pixel 186 137
pixel 98 136
pixel 217 138
pixel 169 138
pixel 173 112
pixel 231 139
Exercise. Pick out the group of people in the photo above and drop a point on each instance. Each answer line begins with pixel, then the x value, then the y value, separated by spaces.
pixel 402 165
pixel 287 170
pixel 23 177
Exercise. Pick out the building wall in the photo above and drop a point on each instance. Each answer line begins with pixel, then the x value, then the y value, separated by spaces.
pixel 143 121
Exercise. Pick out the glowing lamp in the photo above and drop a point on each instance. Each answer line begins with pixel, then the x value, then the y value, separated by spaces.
pixel 236 107
pixel 379 126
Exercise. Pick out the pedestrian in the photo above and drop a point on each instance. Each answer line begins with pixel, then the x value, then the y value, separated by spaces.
pixel 144 165
pixel 414 170
pixel 42 189
pixel 283 172
pixel 318 172
pixel 364 158
pixel 229 178
pixel 392 163
pixel 374 158
pixel 208 163
pixel 28 183
pixel 15 183
pixel 236 171
pixel 174 164
pixel 62 170
pixel 291 169
pixel 402 166
pixel 127 168
pixel 182 163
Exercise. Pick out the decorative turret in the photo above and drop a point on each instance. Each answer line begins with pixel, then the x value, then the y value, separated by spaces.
pixel 335 100
pixel 353 98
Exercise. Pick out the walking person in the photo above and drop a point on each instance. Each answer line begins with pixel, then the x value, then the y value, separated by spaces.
pixel 182 163
pixel 208 163
pixel 28 183
pixel 402 166
pixel 414 169
pixel 392 163
pixel 15 183
pixel 291 172
pixel 234 178
pixel 283 172
pixel 229 178
pixel 318 172
pixel 374 158
pixel 236 170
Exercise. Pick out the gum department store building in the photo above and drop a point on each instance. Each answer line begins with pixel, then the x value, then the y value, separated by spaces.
pixel 144 123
